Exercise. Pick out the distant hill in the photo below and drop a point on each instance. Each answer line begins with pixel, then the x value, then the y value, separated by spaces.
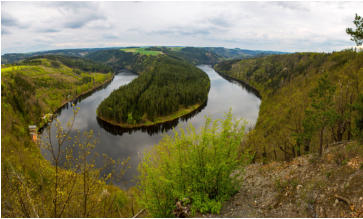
pixel 240 53
pixel 195 55
pixel 10 58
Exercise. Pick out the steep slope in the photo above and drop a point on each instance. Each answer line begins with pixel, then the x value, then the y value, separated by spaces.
pixel 307 186
pixel 287 84
pixel 30 90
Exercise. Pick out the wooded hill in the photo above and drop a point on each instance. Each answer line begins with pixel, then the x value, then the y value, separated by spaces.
pixel 195 55
pixel 308 100
pixel 31 185
pixel 168 86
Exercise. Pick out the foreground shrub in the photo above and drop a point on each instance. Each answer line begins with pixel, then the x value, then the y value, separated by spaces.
pixel 192 171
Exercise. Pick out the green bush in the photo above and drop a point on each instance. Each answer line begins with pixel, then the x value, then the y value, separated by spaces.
pixel 198 170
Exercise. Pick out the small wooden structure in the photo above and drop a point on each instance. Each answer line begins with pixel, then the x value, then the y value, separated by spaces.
pixel 33 132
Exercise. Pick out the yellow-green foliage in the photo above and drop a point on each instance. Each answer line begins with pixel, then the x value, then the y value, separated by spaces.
pixel 46 87
pixel 285 82
pixel 143 51
pixel 198 170
pixel 29 92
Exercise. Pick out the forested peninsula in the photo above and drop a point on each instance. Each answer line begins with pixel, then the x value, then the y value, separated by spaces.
pixel 168 89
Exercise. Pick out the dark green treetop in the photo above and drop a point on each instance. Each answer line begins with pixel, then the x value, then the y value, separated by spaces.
pixel 357 34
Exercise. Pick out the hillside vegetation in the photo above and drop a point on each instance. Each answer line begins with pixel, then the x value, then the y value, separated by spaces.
pixel 307 186
pixel 308 100
pixel 32 186
pixel 119 59
pixel 169 89
pixel 193 170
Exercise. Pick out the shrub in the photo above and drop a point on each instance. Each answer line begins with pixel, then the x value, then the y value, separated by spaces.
pixel 198 170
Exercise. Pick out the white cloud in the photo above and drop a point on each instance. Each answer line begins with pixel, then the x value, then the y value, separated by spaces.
pixel 283 26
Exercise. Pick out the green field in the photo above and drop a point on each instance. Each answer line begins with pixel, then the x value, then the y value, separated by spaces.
pixel 142 51
pixel 176 48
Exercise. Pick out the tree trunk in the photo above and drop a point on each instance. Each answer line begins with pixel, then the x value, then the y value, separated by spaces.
pixel 306 146
pixel 298 148
pixel 56 190
pixel 321 141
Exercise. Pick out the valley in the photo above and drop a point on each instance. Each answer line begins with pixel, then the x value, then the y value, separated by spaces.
pixel 82 86
pixel 122 109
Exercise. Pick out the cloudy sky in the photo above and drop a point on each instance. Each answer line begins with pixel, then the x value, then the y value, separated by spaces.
pixel 282 26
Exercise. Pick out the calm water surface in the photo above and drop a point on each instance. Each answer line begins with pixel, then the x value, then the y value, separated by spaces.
pixel 120 143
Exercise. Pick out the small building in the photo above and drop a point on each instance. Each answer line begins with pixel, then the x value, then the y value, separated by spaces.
pixel 33 132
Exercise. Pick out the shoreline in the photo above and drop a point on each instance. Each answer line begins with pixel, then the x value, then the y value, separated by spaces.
pixel 243 83
pixel 42 126
pixel 189 109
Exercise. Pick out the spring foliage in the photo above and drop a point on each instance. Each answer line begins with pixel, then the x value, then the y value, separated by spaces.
pixel 291 121
pixel 196 169
pixel 357 34
pixel 28 187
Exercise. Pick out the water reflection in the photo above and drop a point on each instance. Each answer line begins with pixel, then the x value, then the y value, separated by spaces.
pixel 151 130
pixel 121 143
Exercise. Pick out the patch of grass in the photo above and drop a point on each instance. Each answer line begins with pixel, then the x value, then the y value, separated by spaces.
pixel 284 185
pixel 143 51
pixel 176 48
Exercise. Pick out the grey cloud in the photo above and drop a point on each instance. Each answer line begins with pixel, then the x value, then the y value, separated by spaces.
pixel 48 30
pixel 4 31
pixel 110 36
pixel 253 25
pixel 7 20
pixel 71 6
pixel 291 5
pixel 78 14
pixel 182 31
pixel 78 22
pixel 220 22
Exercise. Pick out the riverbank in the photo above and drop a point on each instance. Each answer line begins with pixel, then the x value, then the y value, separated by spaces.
pixel 75 98
pixel 159 120
pixel 243 83
pixel 28 93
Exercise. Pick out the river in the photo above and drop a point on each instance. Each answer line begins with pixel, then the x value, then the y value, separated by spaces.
pixel 122 144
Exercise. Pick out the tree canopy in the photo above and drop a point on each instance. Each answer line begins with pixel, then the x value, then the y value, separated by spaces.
pixel 169 85
pixel 357 34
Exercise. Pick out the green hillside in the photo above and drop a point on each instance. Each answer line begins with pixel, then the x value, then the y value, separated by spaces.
pixel 308 100
pixel 32 186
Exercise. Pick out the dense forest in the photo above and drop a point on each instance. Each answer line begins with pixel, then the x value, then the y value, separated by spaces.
pixel 118 59
pixel 169 85
pixel 308 100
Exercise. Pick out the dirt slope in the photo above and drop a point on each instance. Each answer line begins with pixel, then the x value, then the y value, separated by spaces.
pixel 308 186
